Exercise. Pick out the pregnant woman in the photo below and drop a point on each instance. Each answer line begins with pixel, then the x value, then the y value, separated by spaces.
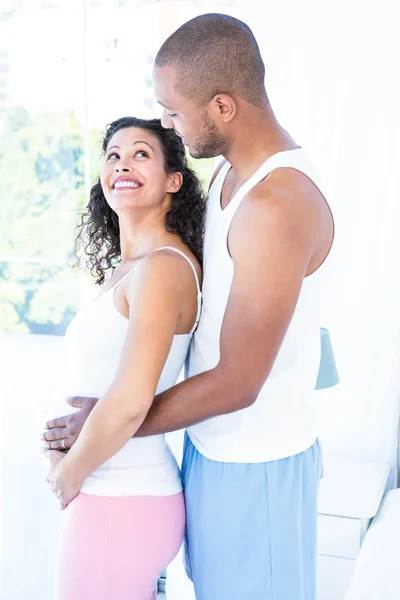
pixel 124 514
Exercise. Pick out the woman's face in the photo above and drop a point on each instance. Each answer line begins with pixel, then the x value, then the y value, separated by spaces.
pixel 133 175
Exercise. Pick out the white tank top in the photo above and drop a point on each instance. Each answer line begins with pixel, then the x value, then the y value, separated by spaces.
pixel 93 345
pixel 281 422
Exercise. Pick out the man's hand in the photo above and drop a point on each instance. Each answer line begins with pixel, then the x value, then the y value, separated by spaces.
pixel 62 433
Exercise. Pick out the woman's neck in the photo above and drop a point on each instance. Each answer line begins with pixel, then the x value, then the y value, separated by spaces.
pixel 140 239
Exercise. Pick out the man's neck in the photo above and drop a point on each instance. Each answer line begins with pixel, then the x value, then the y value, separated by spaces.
pixel 255 141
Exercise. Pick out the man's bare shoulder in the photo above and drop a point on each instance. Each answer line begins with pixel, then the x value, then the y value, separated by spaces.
pixel 288 186
pixel 289 196
pixel 287 207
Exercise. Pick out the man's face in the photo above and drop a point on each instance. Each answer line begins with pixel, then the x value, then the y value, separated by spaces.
pixel 192 123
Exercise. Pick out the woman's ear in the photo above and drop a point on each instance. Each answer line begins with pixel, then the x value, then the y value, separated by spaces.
pixel 174 183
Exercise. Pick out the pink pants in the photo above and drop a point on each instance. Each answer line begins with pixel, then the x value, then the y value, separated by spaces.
pixel 115 548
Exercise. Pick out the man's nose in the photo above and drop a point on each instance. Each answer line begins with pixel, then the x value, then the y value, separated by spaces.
pixel 166 120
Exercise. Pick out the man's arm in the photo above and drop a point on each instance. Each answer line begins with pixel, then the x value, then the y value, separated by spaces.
pixel 273 240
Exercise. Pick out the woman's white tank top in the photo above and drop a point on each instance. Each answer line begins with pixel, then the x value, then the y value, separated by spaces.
pixel 93 345
pixel 282 420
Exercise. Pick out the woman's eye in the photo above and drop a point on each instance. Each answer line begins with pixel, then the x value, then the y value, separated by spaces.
pixel 142 153
pixel 112 155
pixel 172 115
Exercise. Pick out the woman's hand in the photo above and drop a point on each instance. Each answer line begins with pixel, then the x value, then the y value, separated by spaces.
pixel 64 490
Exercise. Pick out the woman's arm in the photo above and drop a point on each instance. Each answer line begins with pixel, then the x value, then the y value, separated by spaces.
pixel 154 293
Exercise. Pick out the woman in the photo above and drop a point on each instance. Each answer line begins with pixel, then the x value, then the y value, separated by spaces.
pixel 124 512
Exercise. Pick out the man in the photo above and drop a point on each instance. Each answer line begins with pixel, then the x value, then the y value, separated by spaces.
pixel 252 459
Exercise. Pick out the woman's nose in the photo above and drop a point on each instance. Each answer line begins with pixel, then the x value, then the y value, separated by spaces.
pixel 121 167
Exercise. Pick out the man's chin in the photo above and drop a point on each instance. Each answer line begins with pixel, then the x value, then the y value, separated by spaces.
pixel 201 153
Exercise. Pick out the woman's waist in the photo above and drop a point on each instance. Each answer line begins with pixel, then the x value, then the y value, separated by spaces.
pixel 142 465
pixel 138 454
pixel 142 451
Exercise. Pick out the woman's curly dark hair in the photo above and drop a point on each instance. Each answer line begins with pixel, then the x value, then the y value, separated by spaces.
pixel 98 230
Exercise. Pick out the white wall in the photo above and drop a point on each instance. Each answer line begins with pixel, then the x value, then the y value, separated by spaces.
pixel 29 514
pixel 332 76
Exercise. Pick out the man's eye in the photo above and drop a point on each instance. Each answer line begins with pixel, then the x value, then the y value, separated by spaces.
pixel 171 115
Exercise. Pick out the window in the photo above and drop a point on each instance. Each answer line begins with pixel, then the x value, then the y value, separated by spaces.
pixel 41 171
pixel 83 68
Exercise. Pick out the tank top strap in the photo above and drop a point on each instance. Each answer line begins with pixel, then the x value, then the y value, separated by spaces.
pixel 220 178
pixel 189 261
pixel 199 294
pixel 156 250
pixel 114 287
pixel 214 193
pixel 288 158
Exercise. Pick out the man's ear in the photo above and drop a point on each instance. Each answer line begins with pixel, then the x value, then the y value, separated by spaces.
pixel 223 108
pixel 174 183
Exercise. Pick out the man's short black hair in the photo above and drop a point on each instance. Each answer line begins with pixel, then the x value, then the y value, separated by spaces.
pixel 215 53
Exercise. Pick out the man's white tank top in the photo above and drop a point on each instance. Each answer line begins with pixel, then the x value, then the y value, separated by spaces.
pixel 93 346
pixel 282 421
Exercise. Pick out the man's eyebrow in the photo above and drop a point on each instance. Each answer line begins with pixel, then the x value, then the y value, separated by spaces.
pixel 165 106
